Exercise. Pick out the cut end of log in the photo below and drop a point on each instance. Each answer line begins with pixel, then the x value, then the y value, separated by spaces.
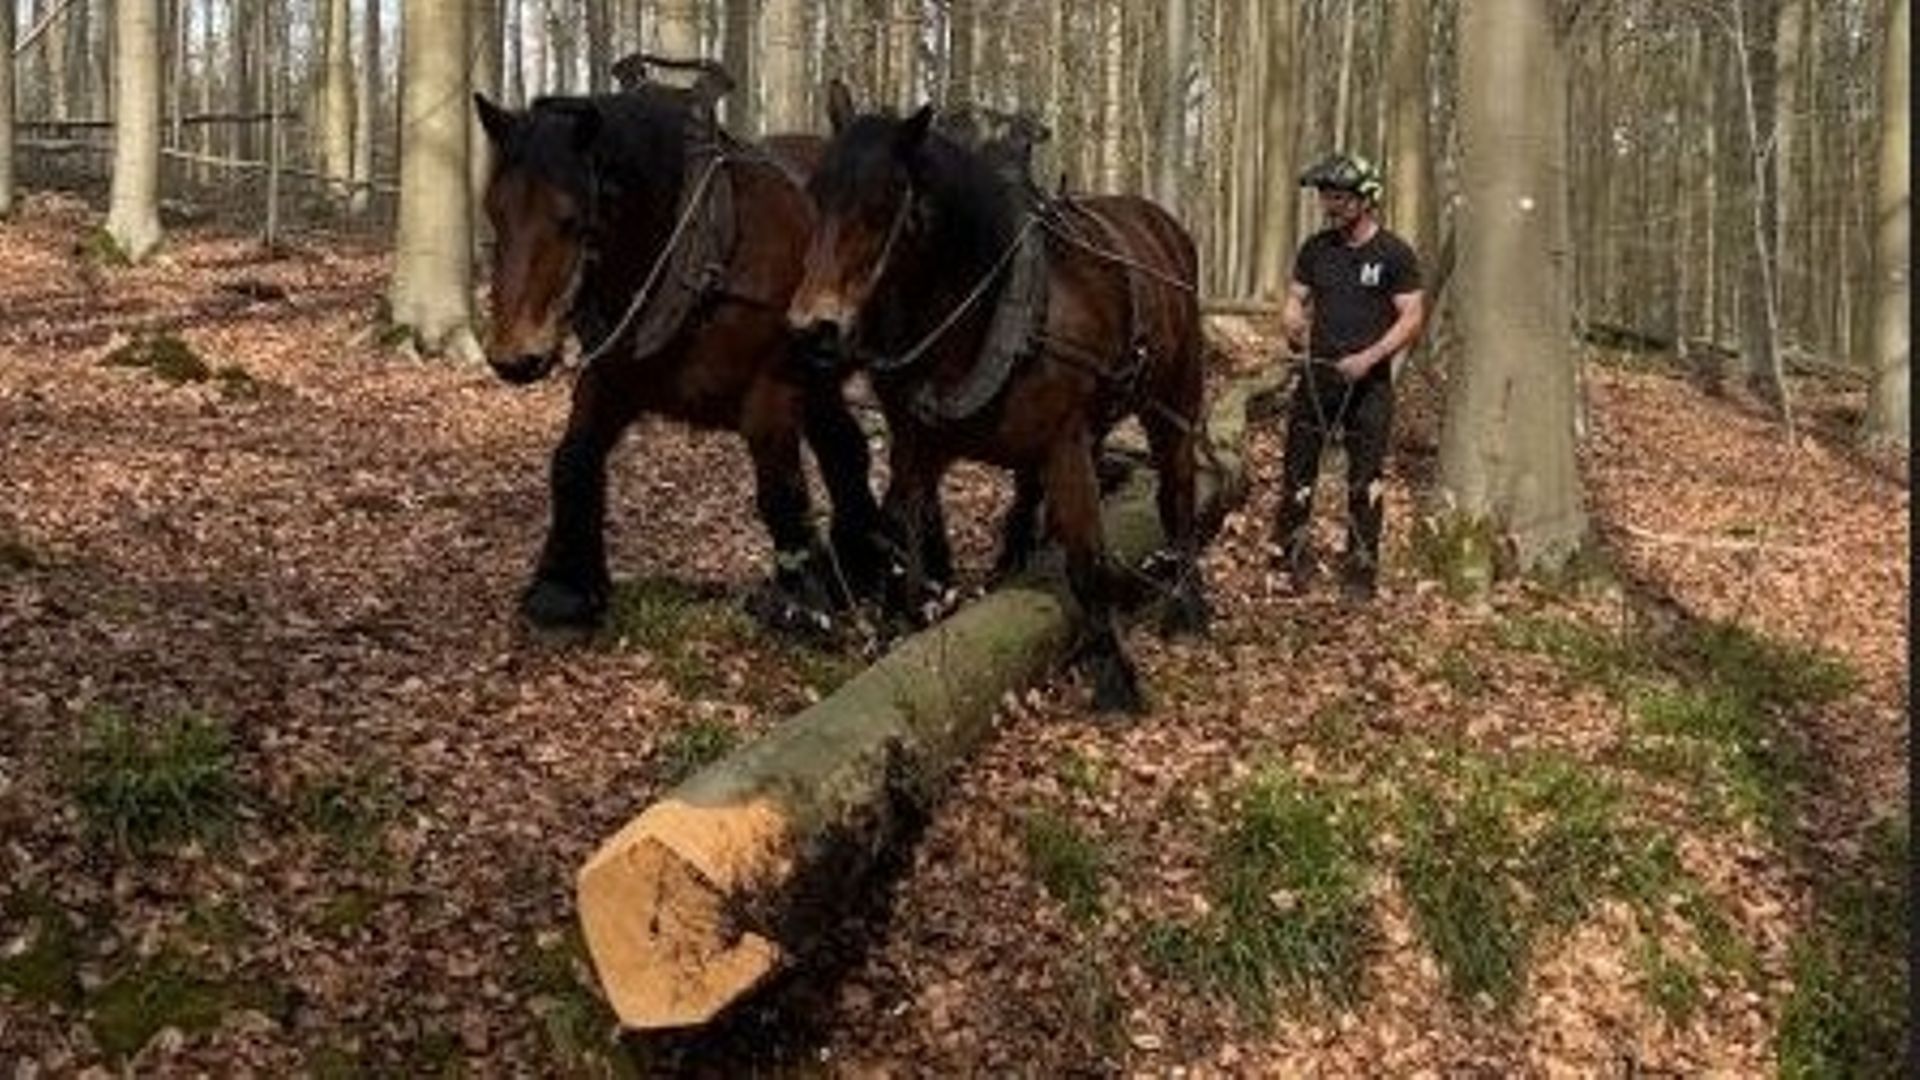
pixel 662 903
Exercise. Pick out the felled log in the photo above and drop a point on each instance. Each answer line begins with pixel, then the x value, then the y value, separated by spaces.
pixel 737 871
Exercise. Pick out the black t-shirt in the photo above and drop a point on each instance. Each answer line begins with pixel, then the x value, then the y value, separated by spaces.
pixel 1353 288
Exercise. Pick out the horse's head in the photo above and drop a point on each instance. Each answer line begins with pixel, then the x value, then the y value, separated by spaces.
pixel 541 203
pixel 864 191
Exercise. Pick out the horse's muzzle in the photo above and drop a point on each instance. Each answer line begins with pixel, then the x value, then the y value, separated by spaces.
pixel 525 368
pixel 820 345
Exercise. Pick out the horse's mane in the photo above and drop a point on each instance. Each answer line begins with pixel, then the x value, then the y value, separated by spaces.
pixel 640 142
pixel 977 202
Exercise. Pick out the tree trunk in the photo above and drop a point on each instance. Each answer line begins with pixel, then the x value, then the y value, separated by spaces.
pixel 903 54
pixel 272 70
pixel 1889 414
pixel 741 114
pixel 134 218
pixel 735 873
pixel 366 108
pixel 677 28
pixel 1409 163
pixel 958 85
pixel 338 113
pixel 514 80
pixel 600 54
pixel 1507 468
pixel 1274 254
pixel 488 37
pixel 1343 99
pixel 1113 58
pixel 1754 49
pixel 1175 34
pixel 58 54
pixel 1788 142
pixel 784 65
pixel 6 108
pixel 430 296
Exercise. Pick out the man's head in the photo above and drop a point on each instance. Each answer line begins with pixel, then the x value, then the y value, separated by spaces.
pixel 1349 188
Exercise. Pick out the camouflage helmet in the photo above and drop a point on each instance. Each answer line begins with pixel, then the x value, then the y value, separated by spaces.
pixel 1345 172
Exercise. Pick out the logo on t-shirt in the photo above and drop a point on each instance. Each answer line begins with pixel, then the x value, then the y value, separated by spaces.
pixel 1370 273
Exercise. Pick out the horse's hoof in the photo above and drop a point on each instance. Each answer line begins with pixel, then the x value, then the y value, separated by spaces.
pixel 779 612
pixel 1187 616
pixel 552 605
pixel 1116 690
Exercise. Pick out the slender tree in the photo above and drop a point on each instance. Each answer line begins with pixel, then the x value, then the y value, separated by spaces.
pixel 1507 453
pixel 133 219
pixel 337 95
pixel 741 114
pixel 783 31
pixel 366 108
pixel 1273 255
pixel 1409 160
pixel 676 28
pixel 1889 415
pixel 6 108
pixel 430 296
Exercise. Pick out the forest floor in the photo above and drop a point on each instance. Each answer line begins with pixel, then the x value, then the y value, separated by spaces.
pixel 282 789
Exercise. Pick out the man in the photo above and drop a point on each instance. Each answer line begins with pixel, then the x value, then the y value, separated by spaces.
pixel 1354 304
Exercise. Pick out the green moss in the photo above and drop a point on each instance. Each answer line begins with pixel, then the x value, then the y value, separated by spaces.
pixel 167 356
pixel 1461 551
pixel 16 556
pixel 46 971
pixel 690 748
pixel 99 248
pixel 164 992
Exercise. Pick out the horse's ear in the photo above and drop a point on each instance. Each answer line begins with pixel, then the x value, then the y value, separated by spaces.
pixel 913 132
pixel 494 120
pixel 839 104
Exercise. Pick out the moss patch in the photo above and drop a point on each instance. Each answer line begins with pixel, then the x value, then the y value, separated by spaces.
pixel 168 357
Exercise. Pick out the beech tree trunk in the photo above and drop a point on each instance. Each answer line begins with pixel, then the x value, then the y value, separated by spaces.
pixel 431 293
pixel 133 220
pixel 1507 467
pixel 1889 415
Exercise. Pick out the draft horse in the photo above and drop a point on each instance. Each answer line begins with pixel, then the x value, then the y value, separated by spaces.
pixel 670 250
pixel 1001 327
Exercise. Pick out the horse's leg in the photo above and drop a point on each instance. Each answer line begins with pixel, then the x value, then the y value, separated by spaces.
pixel 803 574
pixel 1019 533
pixel 571 586
pixel 1073 515
pixel 1172 441
pixel 840 447
pixel 910 510
pixel 936 548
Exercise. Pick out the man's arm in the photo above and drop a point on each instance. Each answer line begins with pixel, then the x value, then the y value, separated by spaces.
pixel 1294 315
pixel 1412 309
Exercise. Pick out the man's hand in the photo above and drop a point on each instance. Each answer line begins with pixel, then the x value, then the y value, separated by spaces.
pixel 1353 366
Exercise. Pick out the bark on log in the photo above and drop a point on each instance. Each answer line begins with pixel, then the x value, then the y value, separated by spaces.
pixel 734 873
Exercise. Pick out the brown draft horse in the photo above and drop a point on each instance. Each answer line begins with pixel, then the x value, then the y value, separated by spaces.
pixel 924 246
pixel 670 250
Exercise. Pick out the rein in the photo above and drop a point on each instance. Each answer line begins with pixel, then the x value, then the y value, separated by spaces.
pixel 932 337
pixel 652 281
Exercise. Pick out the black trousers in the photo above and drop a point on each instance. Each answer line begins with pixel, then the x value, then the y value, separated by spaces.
pixel 1361 412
